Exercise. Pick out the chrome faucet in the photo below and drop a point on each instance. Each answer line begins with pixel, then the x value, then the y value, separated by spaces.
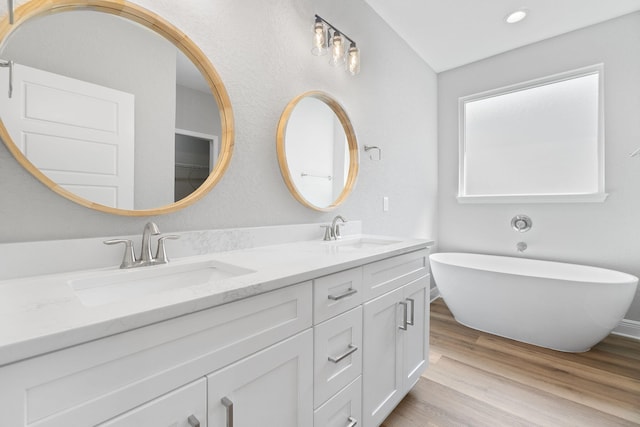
pixel 335 227
pixel 146 258
pixel 150 229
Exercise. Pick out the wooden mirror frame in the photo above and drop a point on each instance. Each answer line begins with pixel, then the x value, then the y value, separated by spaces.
pixel 351 141
pixel 162 27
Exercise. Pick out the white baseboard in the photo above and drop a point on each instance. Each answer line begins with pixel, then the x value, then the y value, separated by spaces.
pixel 628 328
pixel 435 294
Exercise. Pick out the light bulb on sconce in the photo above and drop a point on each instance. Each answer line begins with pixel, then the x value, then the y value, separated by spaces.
pixel 319 38
pixel 327 37
pixel 337 49
pixel 353 60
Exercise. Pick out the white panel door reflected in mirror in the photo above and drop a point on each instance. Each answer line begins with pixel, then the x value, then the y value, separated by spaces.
pixel 538 141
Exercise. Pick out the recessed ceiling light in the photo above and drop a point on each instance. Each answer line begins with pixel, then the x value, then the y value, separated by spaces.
pixel 516 16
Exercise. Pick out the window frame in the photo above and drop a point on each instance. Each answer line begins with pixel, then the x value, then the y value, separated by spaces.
pixel 599 196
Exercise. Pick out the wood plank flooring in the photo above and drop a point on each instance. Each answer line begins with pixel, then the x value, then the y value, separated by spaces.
pixel 478 379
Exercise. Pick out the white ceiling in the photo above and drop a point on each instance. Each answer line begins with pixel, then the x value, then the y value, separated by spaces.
pixel 451 33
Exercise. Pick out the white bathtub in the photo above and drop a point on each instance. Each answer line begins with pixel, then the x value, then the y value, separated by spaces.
pixel 564 307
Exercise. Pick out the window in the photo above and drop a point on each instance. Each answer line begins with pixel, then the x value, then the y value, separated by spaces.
pixel 538 141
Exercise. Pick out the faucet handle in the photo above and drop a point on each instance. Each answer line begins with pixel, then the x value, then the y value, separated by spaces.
pixel 336 232
pixel 327 232
pixel 129 258
pixel 161 252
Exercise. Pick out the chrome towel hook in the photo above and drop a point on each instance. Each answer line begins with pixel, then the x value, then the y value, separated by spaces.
pixel 373 147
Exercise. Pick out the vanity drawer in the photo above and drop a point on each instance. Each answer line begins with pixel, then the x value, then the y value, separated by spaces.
pixel 383 276
pixel 342 410
pixel 337 354
pixel 93 382
pixel 336 293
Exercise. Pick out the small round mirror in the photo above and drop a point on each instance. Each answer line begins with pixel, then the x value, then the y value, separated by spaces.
pixel 317 151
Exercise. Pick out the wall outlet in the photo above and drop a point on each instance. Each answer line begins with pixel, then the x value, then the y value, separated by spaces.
pixel 385 204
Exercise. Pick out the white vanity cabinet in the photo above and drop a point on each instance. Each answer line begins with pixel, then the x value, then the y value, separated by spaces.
pixel 184 407
pixel 338 350
pixel 395 339
pixel 271 388
pixel 92 383
pixel 375 347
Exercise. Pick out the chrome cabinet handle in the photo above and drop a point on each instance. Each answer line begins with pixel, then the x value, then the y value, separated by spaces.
pixel 352 422
pixel 193 421
pixel 413 306
pixel 404 315
pixel 227 403
pixel 345 294
pixel 352 349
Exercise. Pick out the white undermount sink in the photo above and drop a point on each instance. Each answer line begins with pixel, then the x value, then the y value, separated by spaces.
pixel 362 242
pixel 112 286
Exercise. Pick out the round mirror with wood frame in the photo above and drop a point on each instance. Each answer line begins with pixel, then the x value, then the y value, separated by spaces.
pixel 317 151
pixel 146 20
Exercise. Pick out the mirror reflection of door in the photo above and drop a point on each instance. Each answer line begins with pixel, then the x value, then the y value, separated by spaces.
pixel 79 134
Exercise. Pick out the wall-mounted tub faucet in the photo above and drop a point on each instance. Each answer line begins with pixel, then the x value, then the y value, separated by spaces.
pixel 521 246
pixel 146 258
pixel 521 223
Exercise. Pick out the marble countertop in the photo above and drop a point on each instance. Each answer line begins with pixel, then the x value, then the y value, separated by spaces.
pixel 43 313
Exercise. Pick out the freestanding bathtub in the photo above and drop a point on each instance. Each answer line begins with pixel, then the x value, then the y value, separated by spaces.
pixel 564 307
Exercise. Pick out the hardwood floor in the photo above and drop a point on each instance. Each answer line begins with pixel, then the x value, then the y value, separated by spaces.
pixel 478 379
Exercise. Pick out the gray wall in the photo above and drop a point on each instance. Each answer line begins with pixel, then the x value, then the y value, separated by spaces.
pixel 261 50
pixel 600 234
pixel 197 111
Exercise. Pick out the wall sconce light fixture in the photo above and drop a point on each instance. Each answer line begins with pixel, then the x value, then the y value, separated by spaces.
pixel 327 38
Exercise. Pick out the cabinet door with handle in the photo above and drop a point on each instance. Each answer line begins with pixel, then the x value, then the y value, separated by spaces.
pixel 416 337
pixel 273 387
pixel 382 358
pixel 184 407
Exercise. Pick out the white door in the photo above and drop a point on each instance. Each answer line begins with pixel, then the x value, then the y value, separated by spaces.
pixel 78 134
pixel 274 387
pixel 382 379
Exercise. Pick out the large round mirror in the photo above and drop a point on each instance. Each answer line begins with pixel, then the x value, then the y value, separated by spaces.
pixel 111 106
pixel 317 151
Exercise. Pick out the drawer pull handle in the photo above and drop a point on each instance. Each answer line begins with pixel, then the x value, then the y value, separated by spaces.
pixel 405 322
pixel 413 308
pixel 352 422
pixel 193 421
pixel 227 403
pixel 345 294
pixel 352 349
